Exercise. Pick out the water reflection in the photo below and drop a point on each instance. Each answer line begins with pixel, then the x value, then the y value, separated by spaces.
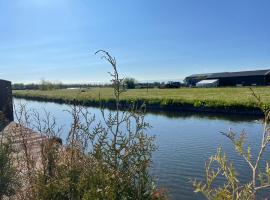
pixel 185 141
pixel 204 115
pixel 171 113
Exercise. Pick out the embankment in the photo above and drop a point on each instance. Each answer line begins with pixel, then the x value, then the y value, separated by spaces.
pixel 166 104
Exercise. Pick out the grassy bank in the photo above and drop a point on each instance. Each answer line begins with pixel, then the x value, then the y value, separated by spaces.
pixel 201 99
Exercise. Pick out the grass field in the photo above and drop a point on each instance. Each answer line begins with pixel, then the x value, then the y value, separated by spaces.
pixel 196 97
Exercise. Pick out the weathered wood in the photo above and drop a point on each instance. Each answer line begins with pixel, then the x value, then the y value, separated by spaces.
pixel 28 147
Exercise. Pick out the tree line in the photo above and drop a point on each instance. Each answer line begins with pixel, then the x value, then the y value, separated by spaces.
pixel 128 83
pixel 50 85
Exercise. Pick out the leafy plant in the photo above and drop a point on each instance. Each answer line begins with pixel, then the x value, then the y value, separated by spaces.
pixel 107 159
pixel 219 166
pixel 8 173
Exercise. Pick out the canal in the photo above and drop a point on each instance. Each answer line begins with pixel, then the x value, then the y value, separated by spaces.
pixel 185 141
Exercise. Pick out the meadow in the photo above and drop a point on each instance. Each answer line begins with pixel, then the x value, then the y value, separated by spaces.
pixel 216 98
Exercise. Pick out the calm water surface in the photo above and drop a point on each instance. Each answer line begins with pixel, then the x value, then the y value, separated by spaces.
pixel 185 141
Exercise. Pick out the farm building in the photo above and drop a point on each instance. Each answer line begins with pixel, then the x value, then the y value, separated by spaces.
pixel 195 78
pixel 243 78
pixel 207 83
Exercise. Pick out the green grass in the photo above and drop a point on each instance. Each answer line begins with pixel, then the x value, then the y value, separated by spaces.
pixel 225 98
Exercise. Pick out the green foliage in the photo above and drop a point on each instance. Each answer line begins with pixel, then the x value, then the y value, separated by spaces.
pixel 219 166
pixel 198 104
pixel 219 98
pixel 130 83
pixel 48 85
pixel 100 160
pixel 8 174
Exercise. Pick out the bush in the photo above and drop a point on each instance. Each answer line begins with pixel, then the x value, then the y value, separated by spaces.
pixel 8 173
pixel 100 160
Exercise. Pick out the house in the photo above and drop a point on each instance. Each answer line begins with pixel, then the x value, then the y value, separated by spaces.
pixel 242 78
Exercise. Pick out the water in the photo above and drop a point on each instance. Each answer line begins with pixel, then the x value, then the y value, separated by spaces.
pixel 185 141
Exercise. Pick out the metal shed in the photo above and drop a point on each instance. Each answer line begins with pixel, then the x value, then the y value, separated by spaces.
pixel 242 78
pixel 208 83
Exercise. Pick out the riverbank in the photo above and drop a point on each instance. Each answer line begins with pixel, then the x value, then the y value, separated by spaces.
pixel 218 100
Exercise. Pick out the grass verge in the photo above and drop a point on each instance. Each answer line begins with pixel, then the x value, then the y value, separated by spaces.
pixel 236 100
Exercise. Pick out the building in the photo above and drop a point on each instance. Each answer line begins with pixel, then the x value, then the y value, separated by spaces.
pixel 195 78
pixel 242 78
pixel 207 83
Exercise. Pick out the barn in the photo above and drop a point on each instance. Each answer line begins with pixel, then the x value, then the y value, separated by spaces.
pixel 242 78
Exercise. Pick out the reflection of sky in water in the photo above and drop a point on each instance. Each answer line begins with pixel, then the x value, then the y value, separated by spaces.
pixel 185 141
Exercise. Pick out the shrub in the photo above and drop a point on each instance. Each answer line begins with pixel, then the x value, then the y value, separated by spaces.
pixel 219 166
pixel 8 173
pixel 100 160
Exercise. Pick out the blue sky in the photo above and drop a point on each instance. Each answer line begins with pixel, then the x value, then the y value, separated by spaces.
pixel 151 39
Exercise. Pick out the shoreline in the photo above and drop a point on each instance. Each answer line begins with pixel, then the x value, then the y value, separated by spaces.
pixel 153 105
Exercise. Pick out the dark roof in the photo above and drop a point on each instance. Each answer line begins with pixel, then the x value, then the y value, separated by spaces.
pixel 199 75
pixel 232 74
pixel 239 74
pixel 1 80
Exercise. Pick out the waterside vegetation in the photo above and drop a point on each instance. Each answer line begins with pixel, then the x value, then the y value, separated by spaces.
pixel 107 159
pixel 220 167
pixel 195 99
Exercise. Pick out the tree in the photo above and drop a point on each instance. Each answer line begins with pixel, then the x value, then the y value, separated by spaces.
pixel 130 83
pixel 48 85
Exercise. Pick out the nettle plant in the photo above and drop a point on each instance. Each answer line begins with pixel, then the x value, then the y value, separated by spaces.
pixel 218 166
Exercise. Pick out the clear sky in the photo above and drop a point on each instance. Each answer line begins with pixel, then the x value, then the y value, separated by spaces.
pixel 151 39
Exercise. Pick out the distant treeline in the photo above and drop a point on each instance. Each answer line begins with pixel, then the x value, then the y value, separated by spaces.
pixel 129 84
pixel 170 84
pixel 48 85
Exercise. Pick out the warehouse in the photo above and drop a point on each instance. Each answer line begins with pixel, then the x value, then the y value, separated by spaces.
pixel 243 78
